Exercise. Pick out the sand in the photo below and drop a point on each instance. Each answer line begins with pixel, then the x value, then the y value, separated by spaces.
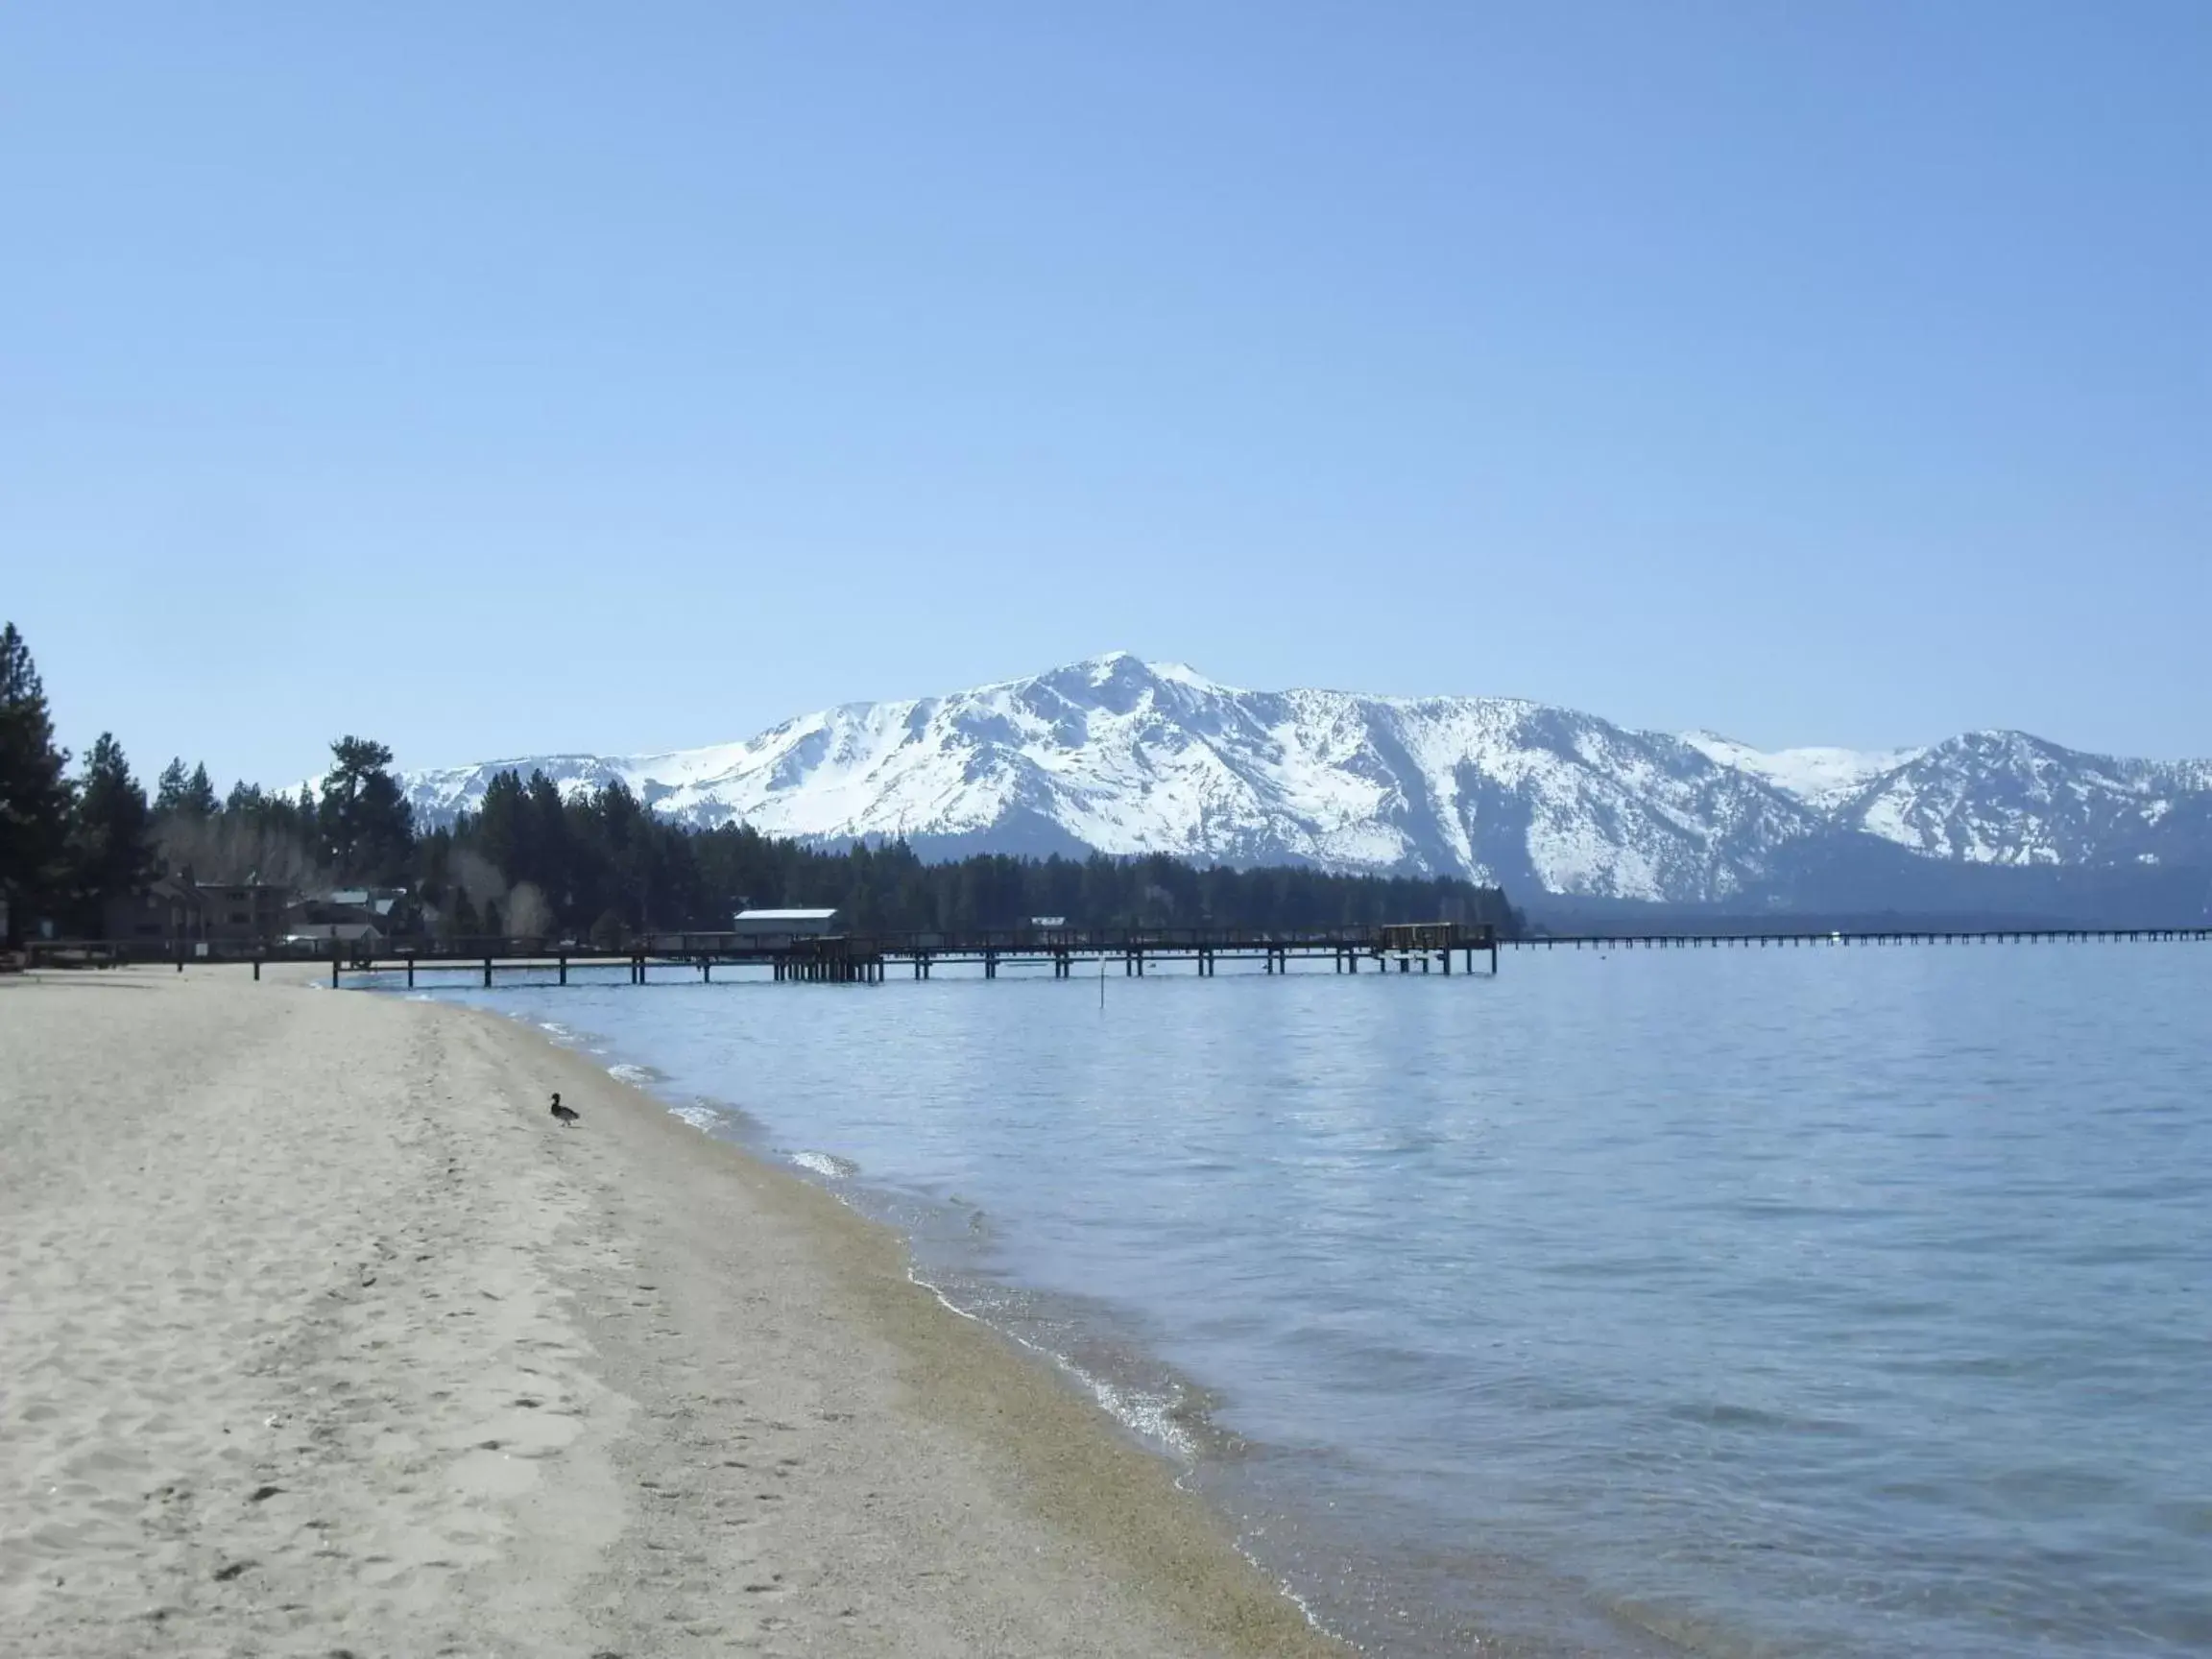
pixel 318 1336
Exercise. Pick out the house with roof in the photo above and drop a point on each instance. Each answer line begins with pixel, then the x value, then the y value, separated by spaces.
pixel 177 909
pixel 242 909
pixel 388 912
pixel 775 929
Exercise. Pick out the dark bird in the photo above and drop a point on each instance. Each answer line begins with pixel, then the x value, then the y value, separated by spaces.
pixel 567 1117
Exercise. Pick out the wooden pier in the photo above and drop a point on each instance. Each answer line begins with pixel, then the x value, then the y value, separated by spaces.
pixel 1413 948
pixel 871 958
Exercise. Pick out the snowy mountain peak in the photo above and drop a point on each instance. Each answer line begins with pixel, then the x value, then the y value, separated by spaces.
pixel 1119 754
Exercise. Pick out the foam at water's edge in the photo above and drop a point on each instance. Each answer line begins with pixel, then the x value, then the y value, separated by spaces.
pixel 826 1163
pixel 637 1076
pixel 699 1114
pixel 1288 1593
pixel 1149 1417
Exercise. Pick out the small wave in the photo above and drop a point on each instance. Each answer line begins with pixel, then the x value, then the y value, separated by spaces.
pixel 637 1076
pixel 700 1116
pixel 1161 1418
pixel 827 1163
pixel 1288 1591
pixel 1157 1417
pixel 555 1028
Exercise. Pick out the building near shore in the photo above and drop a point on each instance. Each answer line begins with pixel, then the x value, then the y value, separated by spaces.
pixel 242 909
pixel 175 909
pixel 392 912
pixel 771 928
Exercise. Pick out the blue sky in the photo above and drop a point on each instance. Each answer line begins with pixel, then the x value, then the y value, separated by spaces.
pixel 501 379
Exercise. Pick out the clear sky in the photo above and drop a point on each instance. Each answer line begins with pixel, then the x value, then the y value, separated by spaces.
pixel 497 378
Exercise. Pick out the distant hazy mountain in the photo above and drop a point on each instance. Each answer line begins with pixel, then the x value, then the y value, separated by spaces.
pixel 1122 756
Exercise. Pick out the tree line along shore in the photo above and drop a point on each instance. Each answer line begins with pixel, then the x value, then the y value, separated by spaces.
pixel 80 845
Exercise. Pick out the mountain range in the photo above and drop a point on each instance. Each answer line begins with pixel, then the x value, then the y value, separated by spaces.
pixel 1122 756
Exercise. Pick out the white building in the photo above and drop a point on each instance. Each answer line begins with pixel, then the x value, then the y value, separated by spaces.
pixel 782 927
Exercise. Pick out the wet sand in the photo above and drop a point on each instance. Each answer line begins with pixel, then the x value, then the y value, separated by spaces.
pixel 316 1334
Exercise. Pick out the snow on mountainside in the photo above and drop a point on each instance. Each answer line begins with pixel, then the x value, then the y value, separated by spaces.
pixel 2006 798
pixel 1820 778
pixel 1124 756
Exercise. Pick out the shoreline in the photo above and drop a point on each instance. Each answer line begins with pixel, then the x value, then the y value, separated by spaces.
pixel 1083 1469
pixel 1153 1414
pixel 750 1420
pixel 1280 1522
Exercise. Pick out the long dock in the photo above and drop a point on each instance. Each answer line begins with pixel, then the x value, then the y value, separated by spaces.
pixel 871 958
pixel 1405 948
pixel 852 958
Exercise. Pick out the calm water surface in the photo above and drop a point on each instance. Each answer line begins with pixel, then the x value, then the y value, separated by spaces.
pixel 1804 1302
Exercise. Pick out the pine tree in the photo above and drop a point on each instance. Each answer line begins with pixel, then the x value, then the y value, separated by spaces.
pixel 551 860
pixel 112 834
pixel 35 791
pixel 182 793
pixel 366 827
pixel 501 831
pixel 169 793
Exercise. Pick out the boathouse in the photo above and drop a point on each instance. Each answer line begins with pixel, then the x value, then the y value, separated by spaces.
pixel 773 929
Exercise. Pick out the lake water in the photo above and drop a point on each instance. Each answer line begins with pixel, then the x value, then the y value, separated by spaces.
pixel 1811 1301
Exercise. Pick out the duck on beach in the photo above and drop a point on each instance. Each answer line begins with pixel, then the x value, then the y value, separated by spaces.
pixel 567 1115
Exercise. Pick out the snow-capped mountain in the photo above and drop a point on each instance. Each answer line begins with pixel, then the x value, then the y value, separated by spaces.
pixel 1123 755
pixel 2006 798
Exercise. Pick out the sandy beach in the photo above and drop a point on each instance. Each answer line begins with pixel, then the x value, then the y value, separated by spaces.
pixel 320 1337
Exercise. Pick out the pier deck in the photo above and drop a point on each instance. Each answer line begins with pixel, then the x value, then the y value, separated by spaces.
pixel 871 958
pixel 857 958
